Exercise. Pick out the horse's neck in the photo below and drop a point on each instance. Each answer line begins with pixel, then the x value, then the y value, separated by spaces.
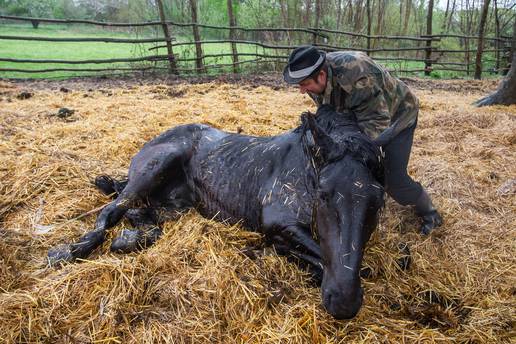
pixel 337 125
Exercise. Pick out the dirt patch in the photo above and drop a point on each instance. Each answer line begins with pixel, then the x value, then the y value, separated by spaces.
pixel 247 81
pixel 456 86
pixel 207 282
pixel 272 80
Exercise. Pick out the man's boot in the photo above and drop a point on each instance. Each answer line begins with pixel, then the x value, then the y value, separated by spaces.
pixel 426 211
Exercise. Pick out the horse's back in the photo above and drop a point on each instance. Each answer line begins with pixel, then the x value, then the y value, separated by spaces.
pixel 239 175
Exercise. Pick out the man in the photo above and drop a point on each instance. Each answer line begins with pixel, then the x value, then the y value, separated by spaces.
pixel 384 107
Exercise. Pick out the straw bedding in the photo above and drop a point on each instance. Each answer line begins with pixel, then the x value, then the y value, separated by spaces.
pixel 208 282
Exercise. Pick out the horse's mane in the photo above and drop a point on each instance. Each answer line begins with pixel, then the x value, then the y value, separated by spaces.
pixel 343 129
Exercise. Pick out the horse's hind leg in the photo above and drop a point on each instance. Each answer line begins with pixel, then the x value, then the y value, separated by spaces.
pixel 149 175
pixel 147 231
pixel 110 186
pixel 159 173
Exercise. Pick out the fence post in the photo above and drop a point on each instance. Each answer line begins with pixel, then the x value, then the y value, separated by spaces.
pixel 466 56
pixel 170 53
pixel 197 38
pixel 428 51
pixel 232 24
pixel 315 34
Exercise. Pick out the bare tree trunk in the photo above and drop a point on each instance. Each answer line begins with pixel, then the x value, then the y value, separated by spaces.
pixel 359 15
pixel 450 17
pixel 480 44
pixel 475 17
pixel 368 4
pixel 428 51
pixel 443 27
pixel 506 92
pixel 232 23
pixel 308 5
pixel 197 38
pixel 408 7
pixel 317 12
pixel 339 14
pixel 465 26
pixel 497 36
pixel 284 17
pixel 350 13
pixel 170 53
pixel 379 22
pixel 400 23
pixel 317 18
pixel 417 22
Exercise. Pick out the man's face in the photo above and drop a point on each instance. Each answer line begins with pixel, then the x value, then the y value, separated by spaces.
pixel 314 85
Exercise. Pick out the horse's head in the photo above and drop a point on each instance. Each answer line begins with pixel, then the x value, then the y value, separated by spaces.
pixel 348 200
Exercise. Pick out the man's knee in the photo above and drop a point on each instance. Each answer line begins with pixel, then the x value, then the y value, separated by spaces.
pixel 404 191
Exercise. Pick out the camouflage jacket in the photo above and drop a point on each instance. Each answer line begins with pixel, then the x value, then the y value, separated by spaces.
pixel 378 101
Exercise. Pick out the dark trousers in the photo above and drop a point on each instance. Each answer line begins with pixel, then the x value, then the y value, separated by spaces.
pixel 398 184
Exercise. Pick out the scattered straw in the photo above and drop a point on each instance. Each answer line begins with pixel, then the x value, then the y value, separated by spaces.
pixel 207 282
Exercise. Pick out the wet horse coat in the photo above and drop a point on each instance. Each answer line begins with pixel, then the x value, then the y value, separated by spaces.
pixel 320 177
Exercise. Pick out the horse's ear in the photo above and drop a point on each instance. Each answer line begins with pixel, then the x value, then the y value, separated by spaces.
pixel 324 147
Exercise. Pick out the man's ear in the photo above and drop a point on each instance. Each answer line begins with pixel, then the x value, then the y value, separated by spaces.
pixel 321 77
pixel 324 147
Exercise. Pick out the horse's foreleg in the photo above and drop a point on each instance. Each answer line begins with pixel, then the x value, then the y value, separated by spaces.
pixel 304 260
pixel 109 217
pixel 300 239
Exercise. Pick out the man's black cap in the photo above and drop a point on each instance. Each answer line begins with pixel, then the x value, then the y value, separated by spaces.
pixel 302 62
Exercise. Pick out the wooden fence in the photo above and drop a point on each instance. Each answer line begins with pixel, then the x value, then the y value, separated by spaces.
pixel 430 51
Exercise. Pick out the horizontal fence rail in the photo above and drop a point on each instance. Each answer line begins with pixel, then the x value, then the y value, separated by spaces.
pixel 85 39
pixel 429 50
pixel 93 61
pixel 157 23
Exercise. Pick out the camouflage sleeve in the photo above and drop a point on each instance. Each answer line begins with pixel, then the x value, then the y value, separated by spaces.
pixel 368 103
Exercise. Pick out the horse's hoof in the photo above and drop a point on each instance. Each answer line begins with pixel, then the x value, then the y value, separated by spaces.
pixel 105 184
pixel 60 254
pixel 430 222
pixel 130 240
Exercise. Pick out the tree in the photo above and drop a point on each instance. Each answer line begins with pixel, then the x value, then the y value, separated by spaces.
pixel 480 45
pixel 506 92
pixel 30 9
pixel 197 38
pixel 232 22
pixel 428 51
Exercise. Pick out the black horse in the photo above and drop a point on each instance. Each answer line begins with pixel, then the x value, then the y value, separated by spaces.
pixel 322 178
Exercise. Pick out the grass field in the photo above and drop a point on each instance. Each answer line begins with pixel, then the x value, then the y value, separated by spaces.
pixel 90 50
pixel 100 50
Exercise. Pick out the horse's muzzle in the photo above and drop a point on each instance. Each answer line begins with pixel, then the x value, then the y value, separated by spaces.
pixel 342 300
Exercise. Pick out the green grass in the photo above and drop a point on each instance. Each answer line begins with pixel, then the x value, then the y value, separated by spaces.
pixel 100 50
pixel 92 50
